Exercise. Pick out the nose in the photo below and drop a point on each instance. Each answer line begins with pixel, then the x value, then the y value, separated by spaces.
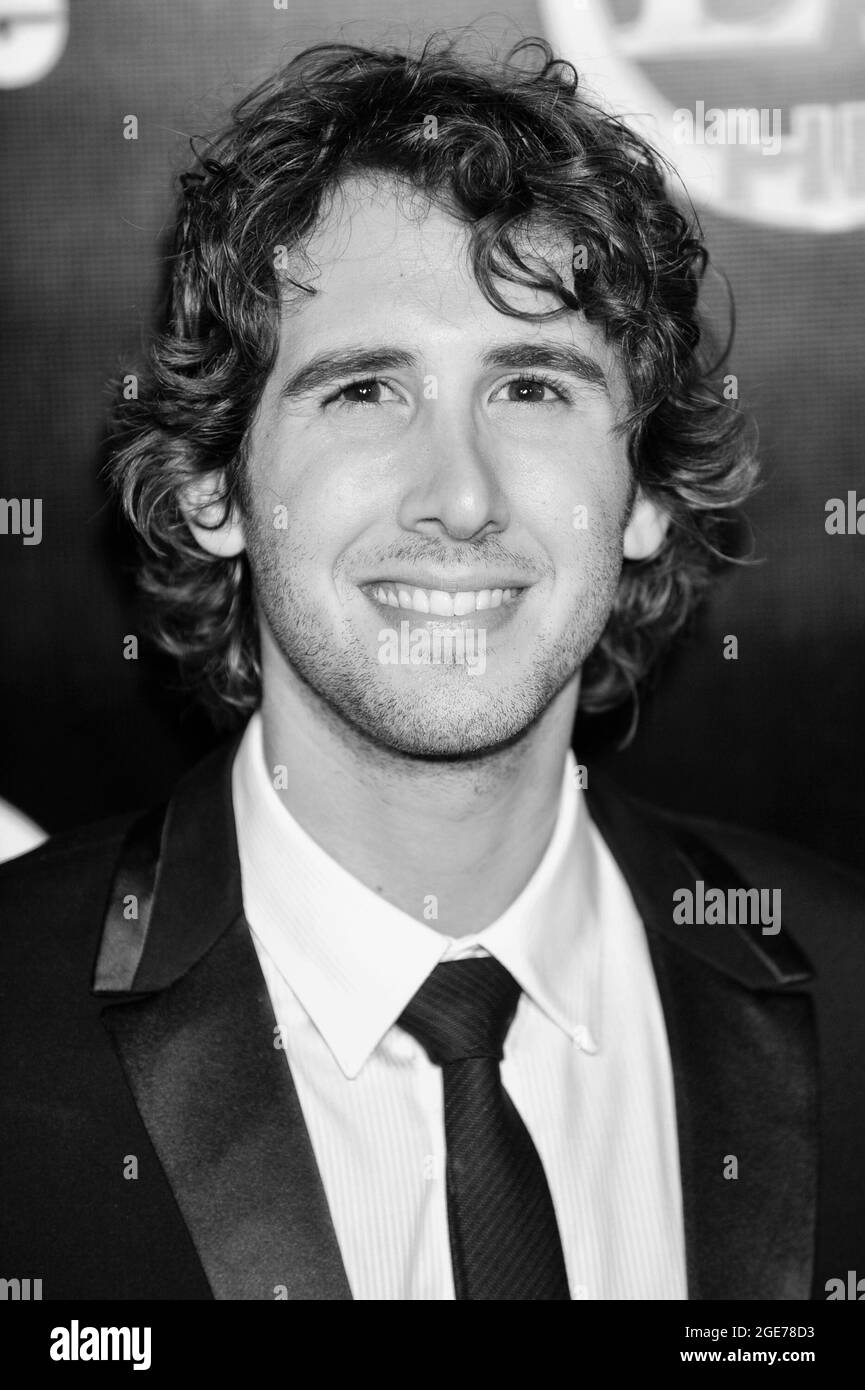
pixel 454 486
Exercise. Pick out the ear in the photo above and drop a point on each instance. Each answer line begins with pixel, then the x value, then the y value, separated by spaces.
pixel 217 529
pixel 646 528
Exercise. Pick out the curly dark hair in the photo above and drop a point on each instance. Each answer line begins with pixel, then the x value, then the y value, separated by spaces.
pixel 517 145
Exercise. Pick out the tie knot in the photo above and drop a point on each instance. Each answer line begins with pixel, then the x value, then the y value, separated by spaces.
pixel 463 1009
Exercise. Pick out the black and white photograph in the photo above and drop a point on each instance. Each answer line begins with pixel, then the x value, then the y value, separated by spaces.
pixel 432 543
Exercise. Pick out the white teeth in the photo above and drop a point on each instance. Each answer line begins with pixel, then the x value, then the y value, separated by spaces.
pixel 440 602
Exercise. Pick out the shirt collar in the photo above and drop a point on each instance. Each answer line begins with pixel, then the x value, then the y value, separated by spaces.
pixel 354 960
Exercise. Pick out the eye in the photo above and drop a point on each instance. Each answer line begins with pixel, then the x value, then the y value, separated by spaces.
pixel 529 390
pixel 369 391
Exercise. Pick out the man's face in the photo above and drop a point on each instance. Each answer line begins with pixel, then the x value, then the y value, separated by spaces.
pixel 456 472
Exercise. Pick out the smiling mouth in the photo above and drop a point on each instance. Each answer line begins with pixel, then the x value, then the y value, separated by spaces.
pixel 440 602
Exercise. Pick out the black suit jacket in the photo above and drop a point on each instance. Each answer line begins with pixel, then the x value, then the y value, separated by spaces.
pixel 152 1141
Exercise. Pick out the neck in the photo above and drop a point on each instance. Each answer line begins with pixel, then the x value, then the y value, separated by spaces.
pixel 450 843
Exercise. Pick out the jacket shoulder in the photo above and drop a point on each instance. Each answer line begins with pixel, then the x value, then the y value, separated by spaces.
pixel 68 854
pixel 822 902
pixel 760 850
pixel 52 899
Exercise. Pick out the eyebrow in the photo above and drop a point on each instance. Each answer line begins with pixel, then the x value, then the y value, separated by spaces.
pixel 327 368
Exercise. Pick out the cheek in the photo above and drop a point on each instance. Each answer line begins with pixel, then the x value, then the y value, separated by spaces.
pixel 609 486
pixel 329 495
pixel 302 524
pixel 294 515
pixel 584 520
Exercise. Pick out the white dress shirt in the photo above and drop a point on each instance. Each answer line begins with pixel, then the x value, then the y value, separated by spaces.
pixel 586 1060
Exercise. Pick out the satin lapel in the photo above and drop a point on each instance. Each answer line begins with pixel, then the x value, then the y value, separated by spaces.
pixel 198 1044
pixel 743 1048
pixel 219 1104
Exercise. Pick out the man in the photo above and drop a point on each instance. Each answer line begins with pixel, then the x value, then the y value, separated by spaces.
pixel 391 1003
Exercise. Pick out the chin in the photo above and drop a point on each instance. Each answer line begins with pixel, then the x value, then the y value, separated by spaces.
pixel 446 724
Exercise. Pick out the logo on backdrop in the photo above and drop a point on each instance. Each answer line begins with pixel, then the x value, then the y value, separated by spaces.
pixel 800 164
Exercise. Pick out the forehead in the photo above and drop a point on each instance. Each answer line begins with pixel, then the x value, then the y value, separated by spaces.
pixel 374 232
pixel 386 261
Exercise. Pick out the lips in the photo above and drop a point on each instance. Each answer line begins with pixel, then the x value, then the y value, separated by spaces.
pixel 440 602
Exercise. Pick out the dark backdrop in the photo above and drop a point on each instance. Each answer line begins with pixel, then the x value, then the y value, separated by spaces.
pixel 775 739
